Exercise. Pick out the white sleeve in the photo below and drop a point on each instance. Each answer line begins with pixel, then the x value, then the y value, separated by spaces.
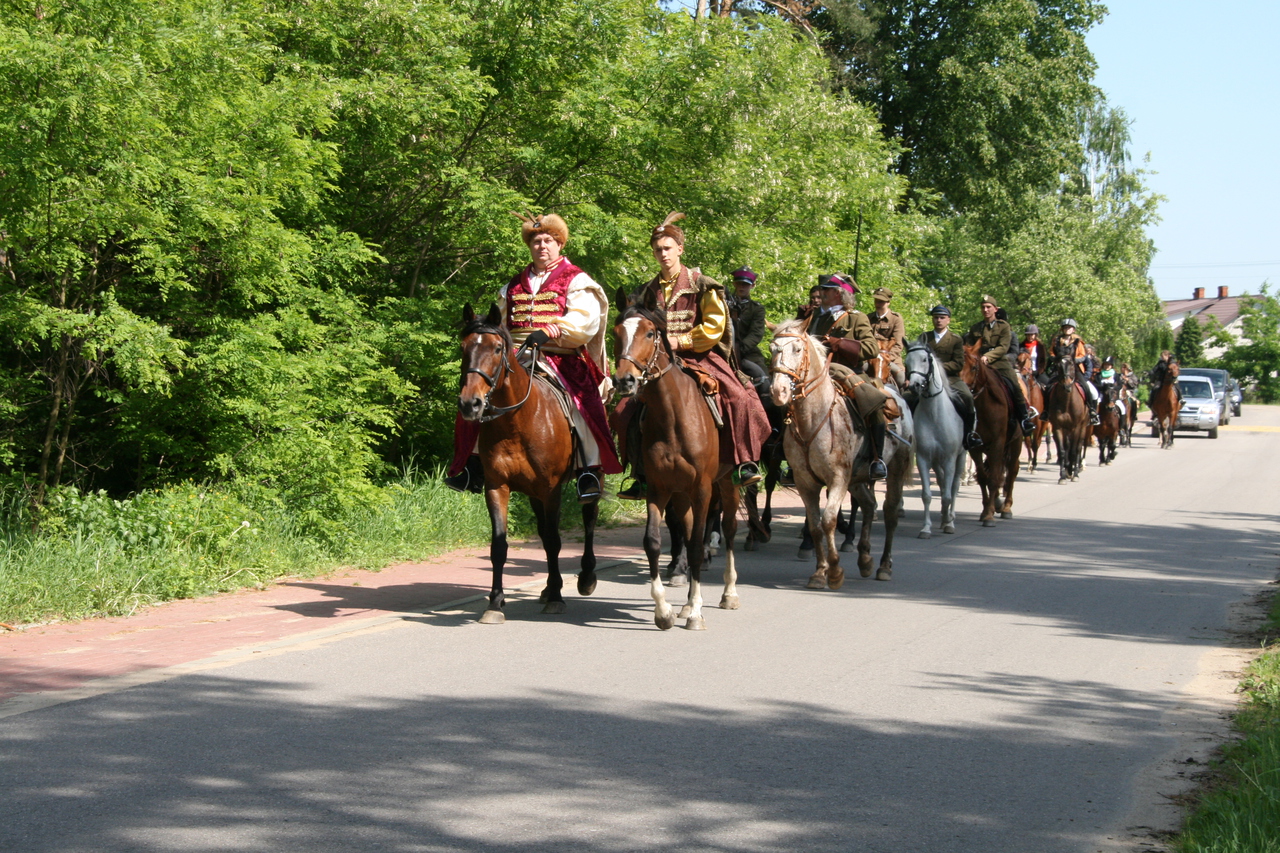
pixel 583 315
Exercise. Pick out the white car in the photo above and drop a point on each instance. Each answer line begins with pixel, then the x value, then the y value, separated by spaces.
pixel 1200 406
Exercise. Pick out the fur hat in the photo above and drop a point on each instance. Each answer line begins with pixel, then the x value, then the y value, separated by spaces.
pixel 668 228
pixel 547 223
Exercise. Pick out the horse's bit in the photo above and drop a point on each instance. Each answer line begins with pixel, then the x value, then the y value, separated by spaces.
pixel 491 412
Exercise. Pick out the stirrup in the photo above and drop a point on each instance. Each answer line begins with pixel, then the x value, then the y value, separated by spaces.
pixel 972 441
pixel 589 486
pixel 469 479
pixel 746 474
pixel 1028 426
pixel 877 471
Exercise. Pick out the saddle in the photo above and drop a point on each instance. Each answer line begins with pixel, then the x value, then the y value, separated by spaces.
pixel 710 388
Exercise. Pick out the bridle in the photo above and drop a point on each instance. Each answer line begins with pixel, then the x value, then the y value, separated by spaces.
pixel 489 411
pixel 801 384
pixel 649 372
pixel 927 374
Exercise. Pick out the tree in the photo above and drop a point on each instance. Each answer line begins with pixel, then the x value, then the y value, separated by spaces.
pixel 1188 346
pixel 1255 360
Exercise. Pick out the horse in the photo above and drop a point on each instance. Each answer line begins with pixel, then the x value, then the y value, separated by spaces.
pixel 897 459
pixel 681 447
pixel 996 461
pixel 939 434
pixel 1130 418
pixel 880 366
pixel 1110 424
pixel 1035 399
pixel 1164 405
pixel 760 524
pixel 1066 409
pixel 526 445
pixel 820 440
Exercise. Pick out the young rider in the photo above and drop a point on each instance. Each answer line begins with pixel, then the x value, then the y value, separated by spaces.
pixel 1068 344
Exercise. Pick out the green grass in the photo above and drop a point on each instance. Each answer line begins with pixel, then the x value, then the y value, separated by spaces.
pixel 95 556
pixel 1240 811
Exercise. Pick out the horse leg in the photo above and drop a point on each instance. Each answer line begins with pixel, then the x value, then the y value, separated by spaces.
pixel 547 514
pixel 677 573
pixel 729 497
pixel 865 497
pixel 663 616
pixel 696 518
pixel 898 473
pixel 497 500
pixel 1010 477
pixel 923 465
pixel 820 531
pixel 950 491
pixel 587 571
pixel 749 499
pixel 982 465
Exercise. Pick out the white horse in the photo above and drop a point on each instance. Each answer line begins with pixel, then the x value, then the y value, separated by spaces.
pixel 819 441
pixel 939 434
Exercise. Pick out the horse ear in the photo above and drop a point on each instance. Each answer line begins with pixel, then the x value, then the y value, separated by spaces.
pixel 651 299
pixel 468 314
pixel 621 300
pixel 494 317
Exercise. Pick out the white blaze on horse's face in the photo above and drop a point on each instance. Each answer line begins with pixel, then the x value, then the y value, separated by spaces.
pixel 787 354
pixel 629 328
pixel 626 374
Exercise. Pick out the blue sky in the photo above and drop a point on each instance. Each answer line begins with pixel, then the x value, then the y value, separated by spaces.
pixel 1201 84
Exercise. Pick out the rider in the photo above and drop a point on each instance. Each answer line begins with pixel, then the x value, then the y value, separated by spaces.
pixel 1070 345
pixel 813 306
pixel 847 332
pixel 748 324
pixel 888 326
pixel 1034 347
pixel 949 348
pixel 1157 375
pixel 1109 379
pixel 700 334
pixel 996 337
pixel 553 296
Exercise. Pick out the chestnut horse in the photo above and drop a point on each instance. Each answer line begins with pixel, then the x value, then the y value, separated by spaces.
pixel 525 445
pixel 1110 424
pixel 1164 405
pixel 1035 399
pixel 879 367
pixel 681 447
pixel 996 461
pixel 1066 410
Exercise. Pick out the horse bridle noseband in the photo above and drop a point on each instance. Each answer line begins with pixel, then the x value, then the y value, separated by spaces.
pixel 647 371
pixel 927 374
pixel 491 412
pixel 800 385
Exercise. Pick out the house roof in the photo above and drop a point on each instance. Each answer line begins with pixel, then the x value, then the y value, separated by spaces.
pixel 1226 309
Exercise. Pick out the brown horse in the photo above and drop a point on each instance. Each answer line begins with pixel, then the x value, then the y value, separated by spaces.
pixel 1110 425
pixel 1035 399
pixel 996 462
pixel 1066 410
pixel 1164 405
pixel 525 445
pixel 879 367
pixel 681 447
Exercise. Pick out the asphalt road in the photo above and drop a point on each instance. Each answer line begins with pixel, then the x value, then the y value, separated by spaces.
pixel 1031 688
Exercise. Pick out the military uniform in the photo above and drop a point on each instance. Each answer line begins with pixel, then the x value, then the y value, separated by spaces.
pixel 852 342
pixel 949 350
pixel 996 338
pixel 748 330
pixel 889 327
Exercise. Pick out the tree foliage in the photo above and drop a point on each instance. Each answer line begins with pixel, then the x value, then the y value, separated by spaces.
pixel 1255 360
pixel 1188 344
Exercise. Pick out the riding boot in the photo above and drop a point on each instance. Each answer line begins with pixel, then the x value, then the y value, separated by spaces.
pixel 970 416
pixel 469 479
pixel 590 484
pixel 1094 417
pixel 1022 414
pixel 747 473
pixel 876 433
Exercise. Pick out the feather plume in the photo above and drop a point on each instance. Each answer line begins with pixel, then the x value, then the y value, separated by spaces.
pixel 672 218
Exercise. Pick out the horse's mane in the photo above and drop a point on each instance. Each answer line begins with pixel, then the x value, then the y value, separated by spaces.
pixel 638 310
pixel 800 327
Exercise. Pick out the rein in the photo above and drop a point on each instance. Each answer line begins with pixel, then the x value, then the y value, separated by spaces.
pixel 928 376
pixel 491 412
pixel 647 373
pixel 801 386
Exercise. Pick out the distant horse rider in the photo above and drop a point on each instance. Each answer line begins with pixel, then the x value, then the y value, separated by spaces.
pixel 847 333
pixel 1069 345
pixel 996 338
pixel 1035 349
pixel 556 298
pixel 887 325
pixel 1160 374
pixel 949 348
pixel 749 324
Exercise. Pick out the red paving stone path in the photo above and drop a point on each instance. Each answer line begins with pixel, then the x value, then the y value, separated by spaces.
pixel 66 660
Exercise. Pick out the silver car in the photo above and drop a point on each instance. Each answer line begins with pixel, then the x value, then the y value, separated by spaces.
pixel 1200 407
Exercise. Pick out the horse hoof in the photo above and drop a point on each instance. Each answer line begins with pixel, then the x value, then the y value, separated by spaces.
pixel 987 522
pixel 586 584
pixel 864 566
pixel 817 581
pixel 1006 514
pixel 848 548
pixel 750 545
pixel 553 607
pixel 924 534
pixel 685 612
pixel 948 528
pixel 713 552
pixel 665 621
pixel 884 574
pixel 804 556
pixel 492 617
pixel 696 623
pixel 835 578
pixel 542 596
pixel 729 602
pixel 678 580
pixel 1062 480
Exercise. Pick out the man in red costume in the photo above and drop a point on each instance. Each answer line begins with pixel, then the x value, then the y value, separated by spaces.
pixel 555 297
pixel 700 333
